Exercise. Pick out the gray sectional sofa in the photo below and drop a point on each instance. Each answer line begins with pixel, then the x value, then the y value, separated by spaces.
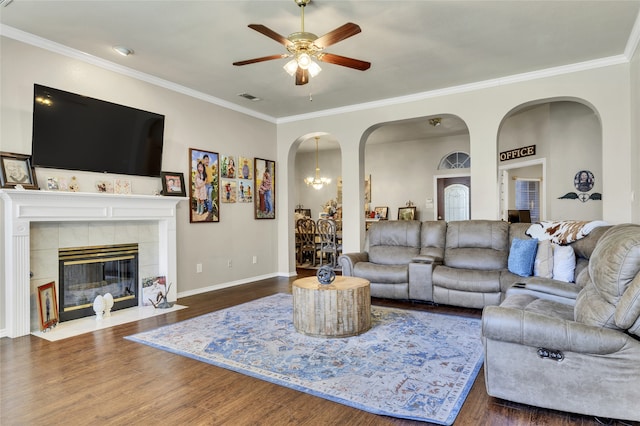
pixel 565 346
pixel 462 263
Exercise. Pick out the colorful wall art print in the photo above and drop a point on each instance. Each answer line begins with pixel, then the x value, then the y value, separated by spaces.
pixel 204 189
pixel 228 166
pixel 245 168
pixel 265 185
pixel 229 190
pixel 245 191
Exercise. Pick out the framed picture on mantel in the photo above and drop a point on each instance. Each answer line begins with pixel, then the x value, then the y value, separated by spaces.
pixel 16 170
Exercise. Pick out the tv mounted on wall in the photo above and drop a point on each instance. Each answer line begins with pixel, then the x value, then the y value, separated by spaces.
pixel 76 132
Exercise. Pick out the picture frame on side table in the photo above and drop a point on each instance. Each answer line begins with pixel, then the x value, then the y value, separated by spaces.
pixel 204 186
pixel 265 188
pixel 16 169
pixel 173 184
pixel 47 305
pixel 407 213
pixel 382 213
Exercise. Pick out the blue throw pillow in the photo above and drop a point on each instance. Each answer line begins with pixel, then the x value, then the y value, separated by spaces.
pixel 522 256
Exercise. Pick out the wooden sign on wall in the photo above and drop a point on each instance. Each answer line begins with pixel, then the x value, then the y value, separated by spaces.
pixel 525 151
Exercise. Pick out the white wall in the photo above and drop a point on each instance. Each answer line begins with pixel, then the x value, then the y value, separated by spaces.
pixel 190 123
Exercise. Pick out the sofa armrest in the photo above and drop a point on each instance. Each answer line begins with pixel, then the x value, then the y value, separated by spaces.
pixel 348 260
pixel 425 258
pixel 547 289
pixel 541 331
pixel 420 279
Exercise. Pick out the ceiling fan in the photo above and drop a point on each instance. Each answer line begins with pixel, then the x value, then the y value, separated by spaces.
pixel 303 47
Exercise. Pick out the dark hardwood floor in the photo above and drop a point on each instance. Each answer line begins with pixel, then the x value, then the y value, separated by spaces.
pixel 101 378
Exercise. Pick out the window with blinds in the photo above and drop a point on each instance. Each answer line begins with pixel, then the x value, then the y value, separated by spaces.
pixel 528 197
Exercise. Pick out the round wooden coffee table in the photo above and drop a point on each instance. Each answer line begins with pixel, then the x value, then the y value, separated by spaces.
pixel 340 309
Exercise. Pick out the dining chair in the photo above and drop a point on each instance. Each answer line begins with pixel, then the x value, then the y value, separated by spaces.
pixel 327 232
pixel 306 236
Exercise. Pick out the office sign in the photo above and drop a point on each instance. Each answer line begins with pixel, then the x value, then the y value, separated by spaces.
pixel 525 151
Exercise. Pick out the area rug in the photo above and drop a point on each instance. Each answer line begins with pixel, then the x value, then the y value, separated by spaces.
pixel 410 364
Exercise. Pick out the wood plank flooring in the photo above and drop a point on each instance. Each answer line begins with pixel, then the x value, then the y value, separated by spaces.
pixel 101 379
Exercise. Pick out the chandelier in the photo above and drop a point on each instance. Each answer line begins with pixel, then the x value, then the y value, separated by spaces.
pixel 317 182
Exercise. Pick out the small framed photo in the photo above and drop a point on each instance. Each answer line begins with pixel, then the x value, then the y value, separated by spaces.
pixel 15 169
pixel 173 184
pixel 382 213
pixel 47 305
pixel 407 213
pixel 265 186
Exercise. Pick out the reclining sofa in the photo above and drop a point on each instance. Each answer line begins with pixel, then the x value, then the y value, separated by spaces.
pixel 583 358
pixel 460 263
pixel 565 346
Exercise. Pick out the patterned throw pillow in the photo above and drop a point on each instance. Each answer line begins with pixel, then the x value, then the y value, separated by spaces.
pixel 543 266
pixel 522 256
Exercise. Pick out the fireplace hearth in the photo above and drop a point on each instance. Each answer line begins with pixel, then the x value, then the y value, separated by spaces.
pixel 87 272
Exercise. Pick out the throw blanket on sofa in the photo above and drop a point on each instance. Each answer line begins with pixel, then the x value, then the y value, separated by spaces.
pixel 563 232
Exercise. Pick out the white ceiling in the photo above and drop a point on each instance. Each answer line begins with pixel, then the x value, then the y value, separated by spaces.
pixel 414 46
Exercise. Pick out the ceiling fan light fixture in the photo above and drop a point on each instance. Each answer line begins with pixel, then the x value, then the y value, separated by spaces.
pixel 291 67
pixel 314 69
pixel 304 60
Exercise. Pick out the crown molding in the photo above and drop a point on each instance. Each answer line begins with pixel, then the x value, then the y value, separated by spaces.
pixel 465 88
pixel 634 39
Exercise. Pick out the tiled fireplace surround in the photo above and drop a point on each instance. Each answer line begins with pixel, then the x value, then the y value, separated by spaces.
pixel 37 223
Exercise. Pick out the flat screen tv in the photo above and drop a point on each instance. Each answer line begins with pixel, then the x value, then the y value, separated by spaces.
pixel 75 132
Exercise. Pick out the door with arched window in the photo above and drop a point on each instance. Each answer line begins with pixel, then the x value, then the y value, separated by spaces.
pixel 454 198
pixel 454 193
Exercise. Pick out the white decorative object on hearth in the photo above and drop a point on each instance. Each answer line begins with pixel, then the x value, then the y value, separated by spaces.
pixel 98 307
pixel 108 304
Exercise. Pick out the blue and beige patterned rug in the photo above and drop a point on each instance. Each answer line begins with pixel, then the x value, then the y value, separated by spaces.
pixel 410 364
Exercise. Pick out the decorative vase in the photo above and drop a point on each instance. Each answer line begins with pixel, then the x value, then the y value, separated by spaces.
pixel 325 275
pixel 108 304
pixel 98 307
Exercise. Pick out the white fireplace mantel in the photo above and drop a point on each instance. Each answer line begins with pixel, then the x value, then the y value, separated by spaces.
pixel 21 207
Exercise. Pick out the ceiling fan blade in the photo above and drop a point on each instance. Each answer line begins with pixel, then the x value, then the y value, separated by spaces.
pixel 270 33
pixel 347 30
pixel 262 59
pixel 344 61
pixel 302 76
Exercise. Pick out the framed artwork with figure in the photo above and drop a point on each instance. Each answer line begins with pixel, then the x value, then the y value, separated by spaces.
pixel 173 184
pixel 381 213
pixel 47 305
pixel 15 169
pixel 265 188
pixel 204 186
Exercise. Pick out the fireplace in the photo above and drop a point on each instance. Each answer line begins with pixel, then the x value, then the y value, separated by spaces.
pixel 87 272
pixel 23 208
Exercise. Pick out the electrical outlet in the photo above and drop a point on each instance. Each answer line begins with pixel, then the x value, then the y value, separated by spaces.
pixel 198 268
pixel 229 263
pixel 255 259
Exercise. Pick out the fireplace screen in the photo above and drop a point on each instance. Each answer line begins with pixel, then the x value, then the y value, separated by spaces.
pixel 86 272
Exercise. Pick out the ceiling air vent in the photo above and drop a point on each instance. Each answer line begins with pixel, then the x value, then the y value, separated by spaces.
pixel 249 96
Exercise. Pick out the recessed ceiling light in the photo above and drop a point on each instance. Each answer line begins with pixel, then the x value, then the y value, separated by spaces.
pixel 124 51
